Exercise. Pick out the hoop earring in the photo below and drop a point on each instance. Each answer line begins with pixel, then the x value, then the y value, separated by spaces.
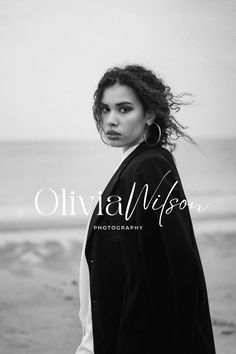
pixel 159 138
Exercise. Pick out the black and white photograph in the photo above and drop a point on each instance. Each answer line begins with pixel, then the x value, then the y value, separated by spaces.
pixel 117 177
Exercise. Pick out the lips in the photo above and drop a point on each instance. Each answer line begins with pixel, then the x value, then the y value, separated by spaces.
pixel 112 133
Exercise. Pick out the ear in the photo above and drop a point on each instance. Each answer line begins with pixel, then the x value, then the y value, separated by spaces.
pixel 149 117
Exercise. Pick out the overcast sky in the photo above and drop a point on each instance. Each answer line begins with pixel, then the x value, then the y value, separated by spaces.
pixel 53 52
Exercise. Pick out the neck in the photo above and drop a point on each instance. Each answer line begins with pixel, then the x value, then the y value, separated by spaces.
pixel 125 148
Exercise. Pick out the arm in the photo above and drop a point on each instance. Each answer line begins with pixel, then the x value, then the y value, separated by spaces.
pixel 180 300
pixel 158 260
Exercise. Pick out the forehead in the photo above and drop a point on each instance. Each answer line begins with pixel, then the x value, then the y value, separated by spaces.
pixel 119 93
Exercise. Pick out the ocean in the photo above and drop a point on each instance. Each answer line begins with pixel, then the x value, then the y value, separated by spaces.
pixel 73 172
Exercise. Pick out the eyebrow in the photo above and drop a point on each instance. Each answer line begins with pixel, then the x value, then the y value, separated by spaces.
pixel 118 104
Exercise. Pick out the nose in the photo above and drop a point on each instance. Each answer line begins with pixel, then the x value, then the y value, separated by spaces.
pixel 112 118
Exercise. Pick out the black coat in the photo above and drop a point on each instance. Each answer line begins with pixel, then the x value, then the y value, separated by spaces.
pixel 148 292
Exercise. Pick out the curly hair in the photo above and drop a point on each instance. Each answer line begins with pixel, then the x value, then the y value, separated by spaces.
pixel 153 94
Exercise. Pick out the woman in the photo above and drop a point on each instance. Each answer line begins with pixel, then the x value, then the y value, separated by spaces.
pixel 142 285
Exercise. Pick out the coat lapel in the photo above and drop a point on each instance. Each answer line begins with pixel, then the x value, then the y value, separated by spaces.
pixel 111 184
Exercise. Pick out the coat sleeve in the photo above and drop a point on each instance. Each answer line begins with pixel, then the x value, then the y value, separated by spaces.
pixel 171 263
pixel 165 241
pixel 159 257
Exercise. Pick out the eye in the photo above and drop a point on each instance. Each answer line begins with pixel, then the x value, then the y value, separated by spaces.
pixel 125 109
pixel 104 110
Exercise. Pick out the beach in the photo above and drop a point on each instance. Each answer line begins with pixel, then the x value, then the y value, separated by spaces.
pixel 40 255
pixel 39 299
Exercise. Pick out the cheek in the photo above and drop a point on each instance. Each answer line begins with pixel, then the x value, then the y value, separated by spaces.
pixel 138 125
pixel 135 123
pixel 103 122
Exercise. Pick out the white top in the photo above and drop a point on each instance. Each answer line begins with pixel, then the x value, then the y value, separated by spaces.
pixel 86 345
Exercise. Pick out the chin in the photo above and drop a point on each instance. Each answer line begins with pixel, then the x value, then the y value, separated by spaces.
pixel 116 144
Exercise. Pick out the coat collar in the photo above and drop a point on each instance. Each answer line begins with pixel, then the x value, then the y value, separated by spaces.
pixel 110 186
pixel 128 151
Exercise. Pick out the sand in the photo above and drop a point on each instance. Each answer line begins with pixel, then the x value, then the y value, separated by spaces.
pixel 39 293
pixel 39 300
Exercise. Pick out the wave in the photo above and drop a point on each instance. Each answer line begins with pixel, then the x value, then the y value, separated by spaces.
pixel 27 219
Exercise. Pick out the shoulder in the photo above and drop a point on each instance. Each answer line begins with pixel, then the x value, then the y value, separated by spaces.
pixel 158 160
pixel 150 164
pixel 153 169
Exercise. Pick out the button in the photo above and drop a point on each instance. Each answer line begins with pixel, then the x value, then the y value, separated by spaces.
pixel 94 301
pixel 91 261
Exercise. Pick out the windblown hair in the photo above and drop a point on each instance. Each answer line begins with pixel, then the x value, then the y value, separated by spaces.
pixel 154 96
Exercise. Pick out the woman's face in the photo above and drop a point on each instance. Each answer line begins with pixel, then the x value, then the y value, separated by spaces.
pixel 123 115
